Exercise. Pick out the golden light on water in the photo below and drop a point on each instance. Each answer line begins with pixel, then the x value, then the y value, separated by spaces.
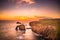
pixel 24 18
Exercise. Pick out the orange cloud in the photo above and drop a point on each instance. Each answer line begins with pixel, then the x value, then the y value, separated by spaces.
pixel 26 1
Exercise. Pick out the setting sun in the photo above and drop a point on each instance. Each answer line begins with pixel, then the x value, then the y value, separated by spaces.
pixel 22 18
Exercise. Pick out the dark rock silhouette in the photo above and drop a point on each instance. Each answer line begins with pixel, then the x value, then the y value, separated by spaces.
pixel 18 22
pixel 20 28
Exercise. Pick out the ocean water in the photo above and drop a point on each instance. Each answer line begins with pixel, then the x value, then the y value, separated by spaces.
pixel 8 32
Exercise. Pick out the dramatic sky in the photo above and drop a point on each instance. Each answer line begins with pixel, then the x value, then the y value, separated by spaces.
pixel 10 9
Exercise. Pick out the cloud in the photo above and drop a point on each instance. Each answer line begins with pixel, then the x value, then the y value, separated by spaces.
pixel 26 1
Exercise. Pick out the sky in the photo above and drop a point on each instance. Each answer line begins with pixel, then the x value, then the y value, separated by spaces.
pixel 10 9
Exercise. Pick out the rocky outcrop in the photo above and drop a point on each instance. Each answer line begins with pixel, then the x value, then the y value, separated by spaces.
pixel 45 27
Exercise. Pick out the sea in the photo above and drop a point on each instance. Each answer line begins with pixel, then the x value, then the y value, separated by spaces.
pixel 8 32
